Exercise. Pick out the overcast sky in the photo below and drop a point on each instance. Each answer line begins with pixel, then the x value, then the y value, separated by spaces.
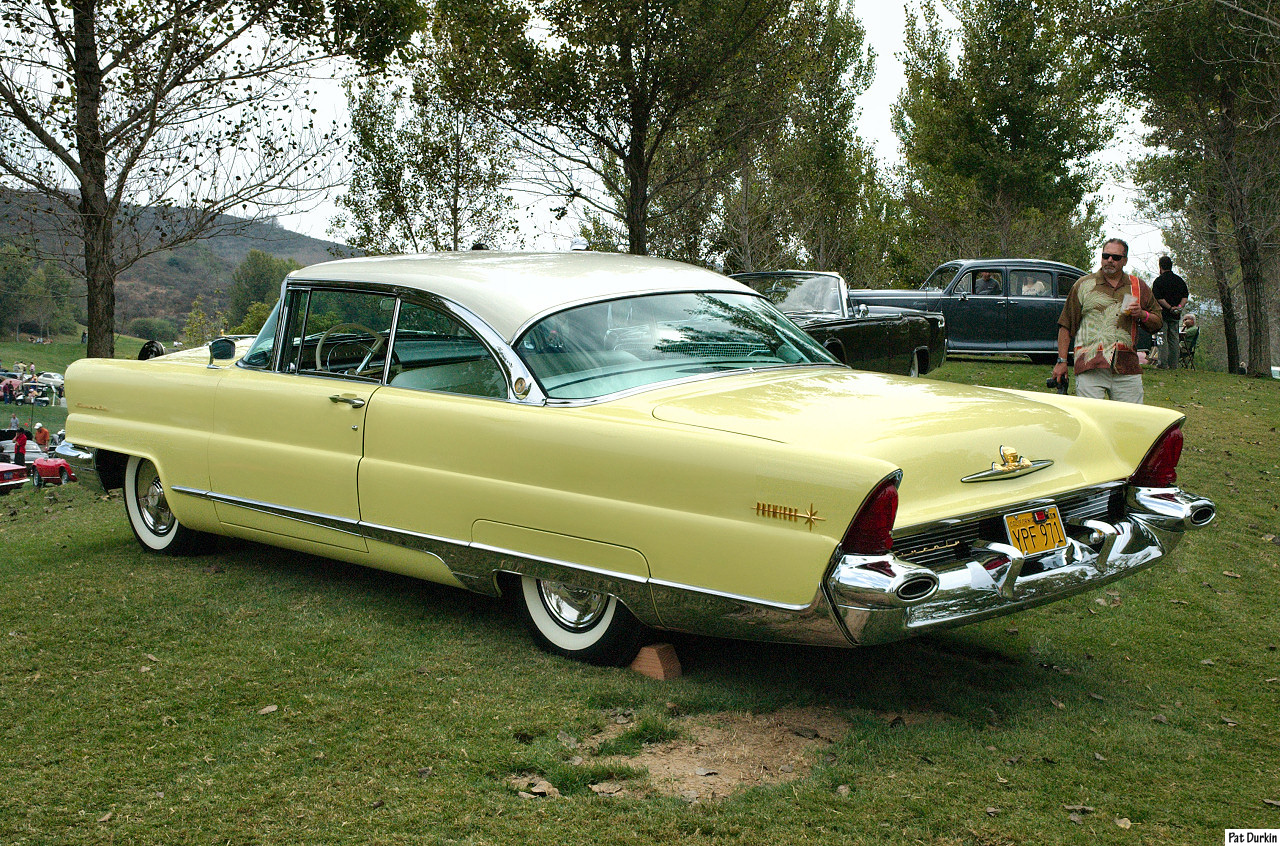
pixel 885 23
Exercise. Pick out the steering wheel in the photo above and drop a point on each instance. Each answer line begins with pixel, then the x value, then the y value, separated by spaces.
pixel 378 341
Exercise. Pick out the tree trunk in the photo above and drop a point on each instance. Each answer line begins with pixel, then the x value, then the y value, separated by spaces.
pixel 96 212
pixel 1253 278
pixel 1225 299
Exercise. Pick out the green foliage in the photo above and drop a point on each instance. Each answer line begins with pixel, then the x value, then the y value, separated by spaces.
pixel 428 172
pixel 651 97
pixel 254 319
pixel 201 327
pixel 153 329
pixel 997 142
pixel 1208 82
pixel 257 279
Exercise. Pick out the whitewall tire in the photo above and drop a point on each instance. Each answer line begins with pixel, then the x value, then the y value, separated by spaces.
pixel 153 524
pixel 581 624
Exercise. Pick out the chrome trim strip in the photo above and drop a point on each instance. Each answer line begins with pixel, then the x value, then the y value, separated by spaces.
pixel 729 597
pixel 312 518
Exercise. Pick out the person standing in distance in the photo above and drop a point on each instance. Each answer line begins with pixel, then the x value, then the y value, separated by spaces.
pixel 1170 291
pixel 1101 317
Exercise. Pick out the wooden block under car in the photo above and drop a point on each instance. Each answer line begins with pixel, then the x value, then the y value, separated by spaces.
pixel 657 661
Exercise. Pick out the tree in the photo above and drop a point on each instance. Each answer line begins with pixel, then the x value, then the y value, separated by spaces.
pixel 153 329
pixel 428 172
pixel 132 127
pixel 202 327
pixel 997 142
pixel 257 279
pixel 15 269
pixel 1210 90
pixel 599 91
pixel 1178 190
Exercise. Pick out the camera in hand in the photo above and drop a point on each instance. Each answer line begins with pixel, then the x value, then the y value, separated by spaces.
pixel 1059 385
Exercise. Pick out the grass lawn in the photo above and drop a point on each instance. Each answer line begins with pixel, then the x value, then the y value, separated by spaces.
pixel 256 696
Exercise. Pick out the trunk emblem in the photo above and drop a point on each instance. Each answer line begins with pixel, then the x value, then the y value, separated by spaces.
pixel 1011 464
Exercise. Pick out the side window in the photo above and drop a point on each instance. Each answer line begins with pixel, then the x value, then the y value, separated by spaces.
pixel 434 352
pixel 339 334
pixel 1064 284
pixel 1031 283
pixel 982 283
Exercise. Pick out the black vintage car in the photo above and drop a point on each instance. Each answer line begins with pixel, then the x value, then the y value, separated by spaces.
pixel 869 337
pixel 991 305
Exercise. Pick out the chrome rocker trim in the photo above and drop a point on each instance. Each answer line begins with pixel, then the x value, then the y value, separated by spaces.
pixel 864 599
pixel 867 592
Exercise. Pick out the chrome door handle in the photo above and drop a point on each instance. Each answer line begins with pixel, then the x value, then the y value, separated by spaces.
pixel 354 402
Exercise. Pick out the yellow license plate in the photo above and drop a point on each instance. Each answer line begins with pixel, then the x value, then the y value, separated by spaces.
pixel 1036 531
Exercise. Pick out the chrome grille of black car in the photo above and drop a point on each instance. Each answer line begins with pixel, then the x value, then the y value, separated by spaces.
pixel 945 543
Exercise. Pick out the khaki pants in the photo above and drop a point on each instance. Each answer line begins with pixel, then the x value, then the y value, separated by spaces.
pixel 1105 384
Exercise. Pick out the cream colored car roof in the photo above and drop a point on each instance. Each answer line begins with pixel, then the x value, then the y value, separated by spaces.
pixel 507 289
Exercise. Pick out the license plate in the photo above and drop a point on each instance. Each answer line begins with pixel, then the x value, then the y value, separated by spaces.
pixel 1036 531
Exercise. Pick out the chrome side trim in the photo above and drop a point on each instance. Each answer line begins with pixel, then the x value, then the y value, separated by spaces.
pixel 684 608
pixel 311 518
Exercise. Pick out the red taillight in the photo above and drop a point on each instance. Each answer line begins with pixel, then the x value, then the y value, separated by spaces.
pixel 1160 468
pixel 871 532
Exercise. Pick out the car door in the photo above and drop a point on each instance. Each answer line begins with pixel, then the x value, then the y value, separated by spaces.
pixel 1033 310
pixel 288 438
pixel 976 305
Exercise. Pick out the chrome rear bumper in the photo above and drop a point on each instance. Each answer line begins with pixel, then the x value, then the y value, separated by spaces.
pixel 82 461
pixel 885 598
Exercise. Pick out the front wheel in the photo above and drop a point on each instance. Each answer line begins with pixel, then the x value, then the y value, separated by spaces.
pixel 37 480
pixel 148 508
pixel 576 623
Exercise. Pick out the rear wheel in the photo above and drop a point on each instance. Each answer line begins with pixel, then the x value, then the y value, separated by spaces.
pixel 153 523
pixel 576 623
pixel 62 475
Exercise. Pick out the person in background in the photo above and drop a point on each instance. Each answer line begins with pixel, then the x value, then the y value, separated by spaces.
pixel 14 422
pixel 20 448
pixel 1190 333
pixel 1101 317
pixel 1170 291
pixel 42 437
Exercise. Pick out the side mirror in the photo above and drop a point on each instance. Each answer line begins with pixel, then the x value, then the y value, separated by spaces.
pixel 222 349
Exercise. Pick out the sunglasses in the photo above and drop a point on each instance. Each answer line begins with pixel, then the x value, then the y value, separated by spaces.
pixel 1114 256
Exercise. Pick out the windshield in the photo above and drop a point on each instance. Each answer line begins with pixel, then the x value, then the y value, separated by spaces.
pixel 938 280
pixel 600 349
pixel 800 292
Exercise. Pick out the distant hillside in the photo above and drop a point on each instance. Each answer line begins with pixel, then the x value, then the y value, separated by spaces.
pixel 165 284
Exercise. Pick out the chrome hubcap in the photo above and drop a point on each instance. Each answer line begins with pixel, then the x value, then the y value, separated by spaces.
pixel 152 504
pixel 573 609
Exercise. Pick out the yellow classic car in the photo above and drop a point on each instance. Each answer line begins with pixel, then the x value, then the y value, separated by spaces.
pixel 625 444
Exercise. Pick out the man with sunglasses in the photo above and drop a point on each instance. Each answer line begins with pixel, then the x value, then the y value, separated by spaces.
pixel 1101 317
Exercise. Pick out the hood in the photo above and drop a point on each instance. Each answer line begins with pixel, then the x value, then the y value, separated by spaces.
pixel 936 432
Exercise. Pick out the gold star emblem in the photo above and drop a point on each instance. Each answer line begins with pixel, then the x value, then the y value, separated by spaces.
pixel 811 515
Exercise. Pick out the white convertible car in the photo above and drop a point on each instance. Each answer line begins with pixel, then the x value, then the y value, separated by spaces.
pixel 625 444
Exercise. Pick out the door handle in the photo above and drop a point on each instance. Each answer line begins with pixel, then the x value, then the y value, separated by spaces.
pixel 354 402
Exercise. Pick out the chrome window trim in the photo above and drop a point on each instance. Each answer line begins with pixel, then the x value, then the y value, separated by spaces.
pixel 510 364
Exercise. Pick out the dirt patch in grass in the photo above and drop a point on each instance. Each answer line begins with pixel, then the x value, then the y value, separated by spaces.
pixel 719 754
